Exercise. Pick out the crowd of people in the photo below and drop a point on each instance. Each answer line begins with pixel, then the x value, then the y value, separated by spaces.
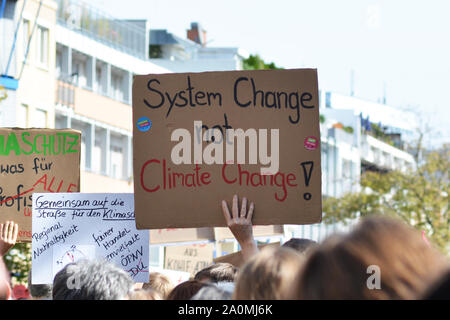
pixel 380 258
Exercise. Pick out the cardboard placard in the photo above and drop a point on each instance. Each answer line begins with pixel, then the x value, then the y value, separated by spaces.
pixel 258 231
pixel 161 236
pixel 236 258
pixel 192 258
pixel 266 146
pixel 72 226
pixel 35 160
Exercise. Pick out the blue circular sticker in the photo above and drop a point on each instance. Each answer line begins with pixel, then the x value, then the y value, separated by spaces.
pixel 144 124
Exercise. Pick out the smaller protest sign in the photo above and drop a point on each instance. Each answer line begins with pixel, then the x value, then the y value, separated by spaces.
pixel 68 227
pixel 191 258
pixel 258 231
pixel 159 236
pixel 236 258
pixel 35 160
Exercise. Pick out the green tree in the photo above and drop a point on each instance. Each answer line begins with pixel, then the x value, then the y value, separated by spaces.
pixel 254 62
pixel 419 197
pixel 18 262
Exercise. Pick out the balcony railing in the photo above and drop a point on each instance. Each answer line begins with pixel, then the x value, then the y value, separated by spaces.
pixel 119 34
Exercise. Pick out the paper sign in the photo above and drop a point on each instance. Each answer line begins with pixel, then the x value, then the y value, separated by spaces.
pixel 35 160
pixel 68 227
pixel 215 134
pixel 192 258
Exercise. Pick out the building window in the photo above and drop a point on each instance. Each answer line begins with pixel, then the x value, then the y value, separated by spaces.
pixel 40 119
pixel 117 87
pixel 22 117
pixel 116 162
pixel 97 157
pixel 100 80
pixel 25 36
pixel 42 45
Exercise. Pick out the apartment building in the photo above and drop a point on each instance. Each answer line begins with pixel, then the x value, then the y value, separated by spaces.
pixel 27 59
pixel 192 54
pixel 96 58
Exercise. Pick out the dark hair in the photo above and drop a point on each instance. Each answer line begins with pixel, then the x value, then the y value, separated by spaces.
pixel 439 290
pixel 39 290
pixel 217 273
pixel 300 245
pixel 186 290
pixel 219 291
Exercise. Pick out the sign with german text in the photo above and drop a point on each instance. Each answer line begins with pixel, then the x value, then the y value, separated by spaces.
pixel 35 160
pixel 68 227
pixel 189 258
pixel 200 138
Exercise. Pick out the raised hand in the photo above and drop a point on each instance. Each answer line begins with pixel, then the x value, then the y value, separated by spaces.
pixel 240 224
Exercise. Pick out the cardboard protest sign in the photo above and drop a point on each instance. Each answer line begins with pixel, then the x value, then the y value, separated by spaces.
pixel 72 226
pixel 258 231
pixel 192 258
pixel 200 138
pixel 160 236
pixel 236 258
pixel 35 160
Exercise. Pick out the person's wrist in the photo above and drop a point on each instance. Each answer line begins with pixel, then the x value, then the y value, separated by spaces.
pixel 248 243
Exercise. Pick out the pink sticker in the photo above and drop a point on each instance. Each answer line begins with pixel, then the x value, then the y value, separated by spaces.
pixel 311 143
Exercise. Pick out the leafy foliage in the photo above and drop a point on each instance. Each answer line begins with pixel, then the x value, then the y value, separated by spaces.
pixel 420 197
pixel 18 262
pixel 254 62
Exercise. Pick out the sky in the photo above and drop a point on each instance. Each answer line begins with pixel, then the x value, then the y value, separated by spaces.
pixel 397 49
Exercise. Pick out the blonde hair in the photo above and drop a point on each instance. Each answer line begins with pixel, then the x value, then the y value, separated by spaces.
pixel 160 283
pixel 145 294
pixel 267 275
pixel 339 268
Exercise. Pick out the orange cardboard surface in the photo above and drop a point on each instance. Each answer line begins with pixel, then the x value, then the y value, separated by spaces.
pixel 35 160
pixel 199 138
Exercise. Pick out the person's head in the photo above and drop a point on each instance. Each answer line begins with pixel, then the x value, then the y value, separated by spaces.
pixel 91 280
pixel 267 275
pixel 300 245
pixel 215 291
pixel 440 290
pixel 145 294
pixel 160 283
pixel 39 291
pixel 186 290
pixel 380 258
pixel 217 272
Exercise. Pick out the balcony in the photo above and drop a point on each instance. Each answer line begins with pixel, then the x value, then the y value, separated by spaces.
pixel 380 156
pixel 65 93
pixel 125 36
pixel 93 105
pixel 341 136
